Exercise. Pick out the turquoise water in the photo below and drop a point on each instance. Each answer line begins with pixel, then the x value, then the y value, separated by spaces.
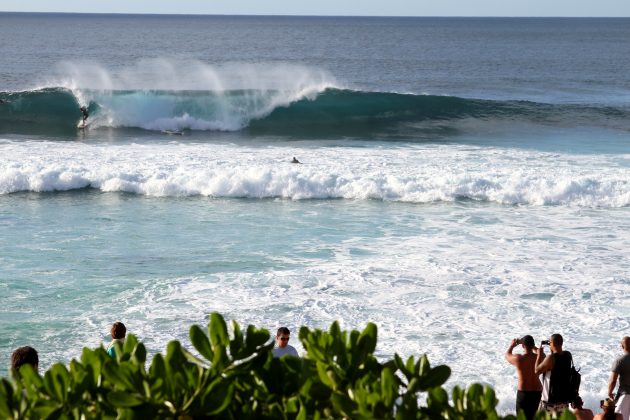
pixel 463 181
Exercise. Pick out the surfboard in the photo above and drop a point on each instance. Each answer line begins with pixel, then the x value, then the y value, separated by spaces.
pixel 82 124
pixel 173 132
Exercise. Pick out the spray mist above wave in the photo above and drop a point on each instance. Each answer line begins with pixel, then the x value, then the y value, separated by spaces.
pixel 267 99
pixel 163 94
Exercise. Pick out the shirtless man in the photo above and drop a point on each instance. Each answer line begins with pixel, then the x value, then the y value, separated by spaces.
pixel 529 386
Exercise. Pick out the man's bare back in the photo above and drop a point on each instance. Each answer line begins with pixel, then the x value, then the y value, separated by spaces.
pixel 527 379
pixel 525 367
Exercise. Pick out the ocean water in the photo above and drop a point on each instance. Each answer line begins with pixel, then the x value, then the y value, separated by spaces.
pixel 463 182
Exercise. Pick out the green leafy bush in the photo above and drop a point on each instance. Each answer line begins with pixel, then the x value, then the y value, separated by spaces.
pixel 234 376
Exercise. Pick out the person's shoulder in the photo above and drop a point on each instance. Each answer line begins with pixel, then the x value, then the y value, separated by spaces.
pixel 529 357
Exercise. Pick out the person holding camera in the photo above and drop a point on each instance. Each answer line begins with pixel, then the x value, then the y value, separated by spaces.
pixel 529 386
pixel 555 368
pixel 608 411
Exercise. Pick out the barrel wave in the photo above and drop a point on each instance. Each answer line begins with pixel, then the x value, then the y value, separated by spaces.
pixel 330 112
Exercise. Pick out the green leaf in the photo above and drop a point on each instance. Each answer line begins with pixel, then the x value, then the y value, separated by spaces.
pixel 56 382
pixel 139 354
pixel 343 405
pixel 157 369
pixel 474 393
pixel 217 330
pixel 323 375
pixel 389 387
pixel 423 365
pixel 255 338
pixel 124 399
pixel 122 376
pixel 6 398
pixel 489 398
pixel 438 396
pixel 130 343
pixel 200 341
pixel 47 410
pixel 435 377
pixel 237 343
pixel 218 400
pixel 401 366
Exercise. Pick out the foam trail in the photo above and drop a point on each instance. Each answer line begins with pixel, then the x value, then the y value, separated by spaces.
pixel 421 174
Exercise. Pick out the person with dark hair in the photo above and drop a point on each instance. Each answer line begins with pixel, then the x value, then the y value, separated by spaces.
pixel 118 332
pixel 579 411
pixel 529 386
pixel 556 368
pixel 282 344
pixel 24 355
pixel 621 373
pixel 608 413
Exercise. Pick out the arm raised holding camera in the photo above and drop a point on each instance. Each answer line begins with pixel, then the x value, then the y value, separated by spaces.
pixel 512 358
pixel 543 363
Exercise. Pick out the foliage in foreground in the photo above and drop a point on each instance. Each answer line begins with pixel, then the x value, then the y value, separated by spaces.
pixel 236 377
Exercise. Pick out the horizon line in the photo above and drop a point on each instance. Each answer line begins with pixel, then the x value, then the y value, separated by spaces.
pixel 321 16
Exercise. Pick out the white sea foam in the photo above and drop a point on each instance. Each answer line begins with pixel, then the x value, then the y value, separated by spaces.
pixel 457 289
pixel 456 281
pixel 420 174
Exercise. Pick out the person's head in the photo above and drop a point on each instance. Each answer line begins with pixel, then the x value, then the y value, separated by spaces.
pixel 625 344
pixel 24 355
pixel 578 403
pixel 555 342
pixel 608 405
pixel 118 330
pixel 282 337
pixel 527 341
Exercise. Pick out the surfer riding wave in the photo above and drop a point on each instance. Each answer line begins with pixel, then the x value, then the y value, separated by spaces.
pixel 85 115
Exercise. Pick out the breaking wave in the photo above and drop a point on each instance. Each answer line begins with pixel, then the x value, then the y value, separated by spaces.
pixel 420 175
pixel 313 110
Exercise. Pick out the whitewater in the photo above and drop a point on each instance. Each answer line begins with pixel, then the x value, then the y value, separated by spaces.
pixel 415 174
pixel 462 182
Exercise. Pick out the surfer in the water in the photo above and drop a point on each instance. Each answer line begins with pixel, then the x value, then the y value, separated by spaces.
pixel 85 114
pixel 295 160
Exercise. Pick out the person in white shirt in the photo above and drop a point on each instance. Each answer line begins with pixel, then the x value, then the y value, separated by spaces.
pixel 282 344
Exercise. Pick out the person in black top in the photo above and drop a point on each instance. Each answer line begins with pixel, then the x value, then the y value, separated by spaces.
pixel 556 367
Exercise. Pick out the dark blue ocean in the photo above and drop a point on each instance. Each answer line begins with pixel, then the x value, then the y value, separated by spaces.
pixel 462 181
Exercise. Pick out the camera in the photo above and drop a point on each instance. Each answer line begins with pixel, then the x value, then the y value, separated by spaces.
pixel 518 341
pixel 544 343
